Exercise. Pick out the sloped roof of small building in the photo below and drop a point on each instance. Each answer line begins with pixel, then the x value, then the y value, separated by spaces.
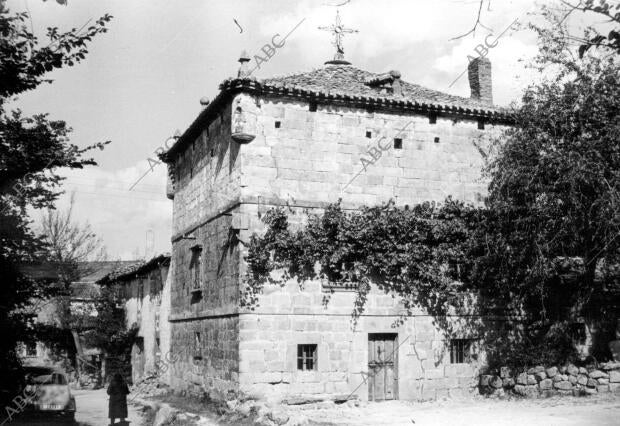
pixel 348 86
pixel 131 271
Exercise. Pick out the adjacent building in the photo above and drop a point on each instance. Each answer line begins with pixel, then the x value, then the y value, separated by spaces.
pixel 144 288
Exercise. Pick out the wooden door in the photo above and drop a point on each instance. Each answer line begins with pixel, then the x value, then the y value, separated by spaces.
pixel 382 366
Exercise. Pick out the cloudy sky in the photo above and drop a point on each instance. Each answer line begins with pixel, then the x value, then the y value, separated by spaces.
pixel 143 79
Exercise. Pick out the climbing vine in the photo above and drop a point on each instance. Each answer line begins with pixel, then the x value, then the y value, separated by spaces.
pixel 418 253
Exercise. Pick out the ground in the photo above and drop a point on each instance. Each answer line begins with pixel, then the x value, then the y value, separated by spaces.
pixel 92 410
pixel 601 410
pixel 594 411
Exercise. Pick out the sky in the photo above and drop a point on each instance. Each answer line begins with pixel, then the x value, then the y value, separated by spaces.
pixel 143 79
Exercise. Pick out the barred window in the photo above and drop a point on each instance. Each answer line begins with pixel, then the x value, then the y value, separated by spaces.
pixel 31 349
pixel 197 345
pixel 195 267
pixel 461 351
pixel 306 357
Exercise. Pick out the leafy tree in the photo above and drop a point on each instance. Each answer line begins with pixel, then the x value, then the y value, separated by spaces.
pixel 30 148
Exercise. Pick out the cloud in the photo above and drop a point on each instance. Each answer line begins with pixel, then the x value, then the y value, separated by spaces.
pixel 121 217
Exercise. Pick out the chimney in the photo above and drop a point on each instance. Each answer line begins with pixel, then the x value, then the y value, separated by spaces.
pixel 479 71
pixel 243 72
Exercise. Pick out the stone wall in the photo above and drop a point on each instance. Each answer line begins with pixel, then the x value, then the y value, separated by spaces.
pixel 207 176
pixel 313 155
pixel 211 366
pixel 543 381
pixel 144 308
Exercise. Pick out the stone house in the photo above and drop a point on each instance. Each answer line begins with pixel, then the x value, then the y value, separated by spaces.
pixel 145 289
pixel 303 141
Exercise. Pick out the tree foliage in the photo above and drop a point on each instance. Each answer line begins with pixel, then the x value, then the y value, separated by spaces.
pixel 30 149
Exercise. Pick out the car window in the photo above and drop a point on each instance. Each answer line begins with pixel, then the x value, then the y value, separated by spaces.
pixel 46 378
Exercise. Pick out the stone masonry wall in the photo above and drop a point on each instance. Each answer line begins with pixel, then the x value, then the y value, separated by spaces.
pixel 314 154
pixel 544 382
pixel 207 175
pixel 216 371
pixel 290 316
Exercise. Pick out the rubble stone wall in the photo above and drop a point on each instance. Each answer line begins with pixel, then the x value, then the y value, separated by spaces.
pixel 543 381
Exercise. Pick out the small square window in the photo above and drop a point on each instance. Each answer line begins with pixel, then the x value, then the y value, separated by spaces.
pixel 212 152
pixel 277 124
pixel 461 351
pixel 398 143
pixel 31 349
pixel 306 357
pixel 368 134
pixel 436 139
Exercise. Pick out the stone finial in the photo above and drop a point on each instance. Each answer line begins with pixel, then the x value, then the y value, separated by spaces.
pixel 204 101
pixel 244 58
pixel 479 71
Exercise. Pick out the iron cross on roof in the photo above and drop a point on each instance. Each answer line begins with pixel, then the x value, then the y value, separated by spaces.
pixel 338 30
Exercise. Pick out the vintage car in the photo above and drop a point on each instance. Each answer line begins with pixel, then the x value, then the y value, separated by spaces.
pixel 48 395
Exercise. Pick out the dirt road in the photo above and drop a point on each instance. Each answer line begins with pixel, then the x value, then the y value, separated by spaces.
pixel 599 411
pixel 92 410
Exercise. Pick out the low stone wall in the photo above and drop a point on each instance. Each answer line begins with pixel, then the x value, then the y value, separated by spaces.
pixel 550 381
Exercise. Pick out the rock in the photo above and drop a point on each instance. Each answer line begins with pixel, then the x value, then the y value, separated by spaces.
pixel 563 369
pixel 578 392
pixel 485 379
pixel 541 375
pixel 522 379
pixel 508 382
pixel 505 372
pixel 582 379
pixel 591 383
pixel 603 381
pixel 602 388
pixel 526 391
pixel 614 376
pixel 597 374
pixel 546 384
pixel 614 387
pixel 165 415
pixel 572 379
pixel 537 369
pixel 278 417
pixel 548 393
pixel 564 385
pixel 590 391
pixel 531 380
pixel 583 370
pixel 611 365
pixel 551 372
pixel 496 382
pixel 559 378
pixel 572 370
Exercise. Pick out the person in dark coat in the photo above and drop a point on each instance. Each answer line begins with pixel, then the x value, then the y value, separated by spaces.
pixel 118 392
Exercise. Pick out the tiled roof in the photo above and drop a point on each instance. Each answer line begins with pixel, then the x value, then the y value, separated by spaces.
pixel 343 85
pixel 348 80
pixel 130 271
